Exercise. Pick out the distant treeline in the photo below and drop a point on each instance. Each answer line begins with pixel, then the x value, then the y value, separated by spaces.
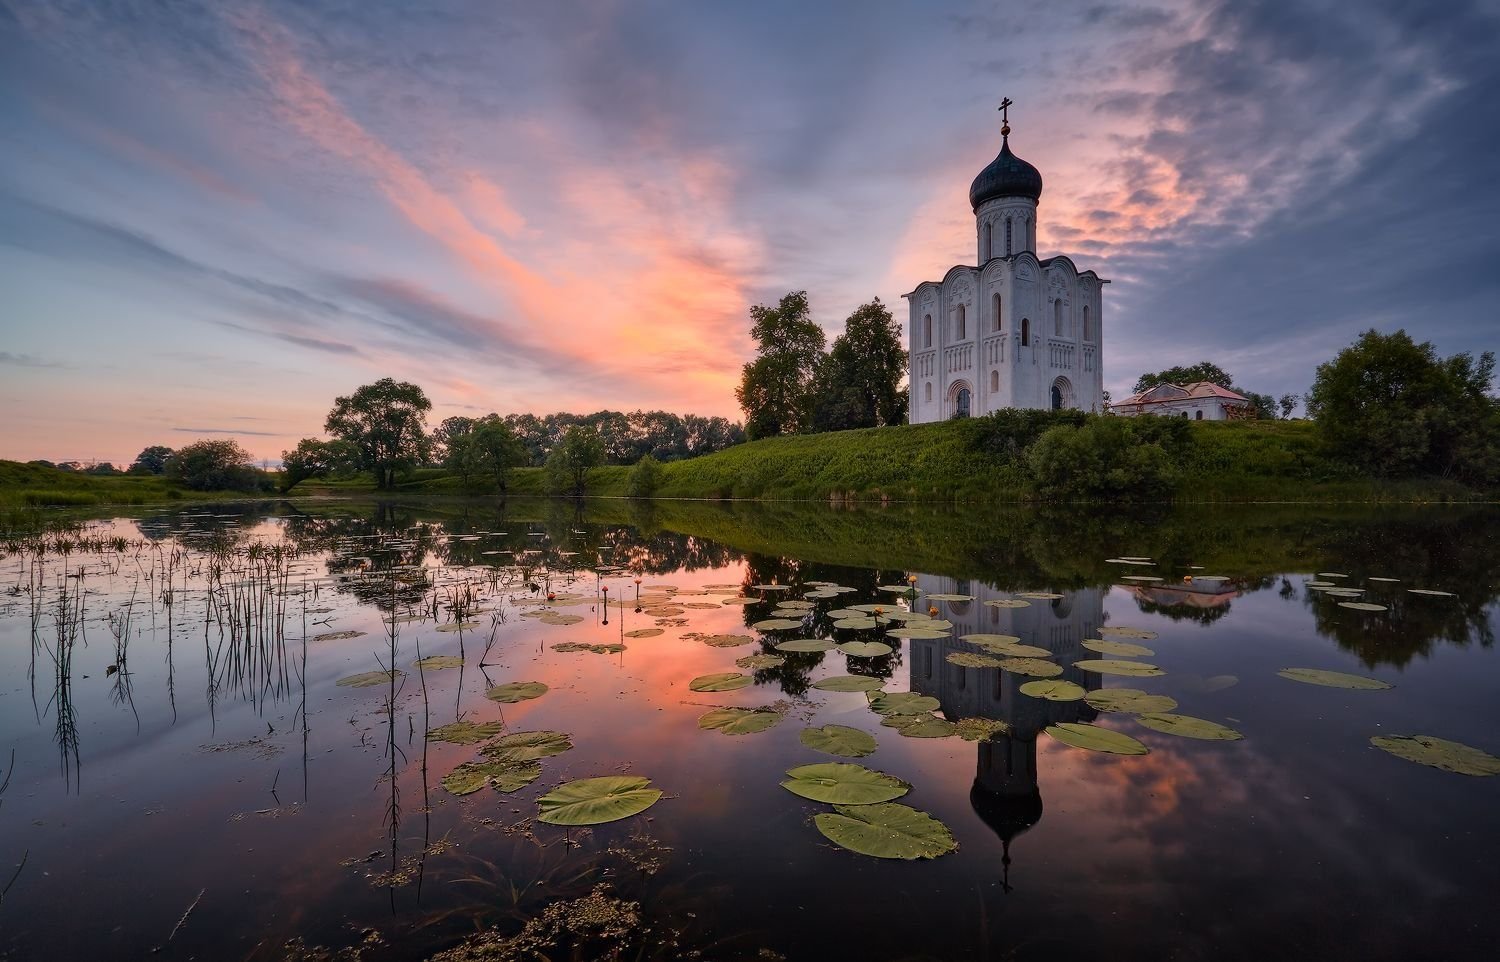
pixel 626 437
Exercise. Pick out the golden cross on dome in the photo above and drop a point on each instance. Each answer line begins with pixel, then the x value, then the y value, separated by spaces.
pixel 1005 104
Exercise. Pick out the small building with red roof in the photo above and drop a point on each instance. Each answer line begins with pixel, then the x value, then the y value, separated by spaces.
pixel 1201 401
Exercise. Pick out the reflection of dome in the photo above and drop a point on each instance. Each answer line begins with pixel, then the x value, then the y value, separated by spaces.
pixel 1006 815
pixel 1006 176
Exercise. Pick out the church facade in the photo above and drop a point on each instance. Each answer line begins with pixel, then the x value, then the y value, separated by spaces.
pixel 1016 331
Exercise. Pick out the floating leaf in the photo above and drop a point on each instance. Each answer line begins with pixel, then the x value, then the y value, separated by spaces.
pixel 1053 690
pixel 1331 574
pixel 1110 666
pixel 967 659
pixel 337 635
pixel 1334 679
pixel 760 661
pixel 610 649
pixel 594 801
pixel 843 783
pixel 806 645
pixel 727 641
pixel 983 639
pixel 721 681
pixel 1142 578
pixel 1008 603
pixel 514 691
pixel 901 702
pixel 865 649
pixel 1120 648
pixel 886 831
pixel 929 726
pixel 915 632
pixel 738 721
pixel 849 683
pixel 1430 592
pixel 525 746
pixel 1131 700
pixel 856 624
pixel 1032 666
pixel 777 624
pixel 463 626
pixel 437 662
pixel 1188 726
pixel 1039 595
pixel 1362 606
pixel 839 740
pixel 465 732
pixel 1096 739
pixel 901 720
pixel 1140 634
pixel 368 679
pixel 950 597
pixel 980 729
pixel 504 775
pixel 1439 753
pixel 1383 580
pixel 1008 645
pixel 645 633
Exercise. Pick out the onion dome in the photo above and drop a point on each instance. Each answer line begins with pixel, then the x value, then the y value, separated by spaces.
pixel 1006 176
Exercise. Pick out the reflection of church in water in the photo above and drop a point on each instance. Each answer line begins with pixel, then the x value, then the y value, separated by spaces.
pixel 1006 794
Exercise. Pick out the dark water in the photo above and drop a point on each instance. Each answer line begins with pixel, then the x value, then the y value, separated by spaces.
pixel 220 795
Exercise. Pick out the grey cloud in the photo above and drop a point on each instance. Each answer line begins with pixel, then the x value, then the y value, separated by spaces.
pixel 262 434
pixel 27 360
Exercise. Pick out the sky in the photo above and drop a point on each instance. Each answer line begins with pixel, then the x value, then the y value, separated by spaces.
pixel 216 218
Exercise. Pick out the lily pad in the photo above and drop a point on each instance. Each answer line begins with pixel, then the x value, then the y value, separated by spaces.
pixel 865 649
pixel 1008 603
pixel 1188 726
pixel 721 681
pixel 1119 648
pixel 504 775
pixel 526 746
pixel 437 662
pixel 886 830
pixel 967 659
pixel 901 702
pixel 1362 605
pixel 1035 667
pixel 336 635
pixel 1439 753
pixel 1430 592
pixel 465 732
pixel 1096 739
pixel 1131 700
pixel 1040 595
pixel 1139 634
pixel 1110 666
pixel 645 632
pixel 849 683
pixel 777 624
pixel 1053 690
pixel 839 740
pixel 950 597
pixel 929 726
pixel 1334 679
pixel 843 783
pixel 466 625
pixel 980 729
pixel 856 624
pixel 806 645
pixel 916 632
pixel 738 721
pixel 727 641
pixel 514 691
pixel 368 679
pixel 760 661
pixel 594 801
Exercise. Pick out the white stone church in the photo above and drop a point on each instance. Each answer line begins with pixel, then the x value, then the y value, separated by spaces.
pixel 1015 331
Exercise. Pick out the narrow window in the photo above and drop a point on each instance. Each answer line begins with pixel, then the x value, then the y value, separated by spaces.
pixel 994 381
pixel 1057 317
pixel 927 332
pixel 989 240
pixel 1007 237
pixel 997 304
pixel 928 396
pixel 1057 398
pixel 1088 335
pixel 1025 332
pixel 961 403
pixel 962 324
pixel 1198 415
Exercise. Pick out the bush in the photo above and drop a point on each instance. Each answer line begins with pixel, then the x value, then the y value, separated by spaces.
pixel 216 465
pixel 645 478
pixel 1110 459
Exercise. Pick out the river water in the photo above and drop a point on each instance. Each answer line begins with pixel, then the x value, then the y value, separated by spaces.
pixel 186 778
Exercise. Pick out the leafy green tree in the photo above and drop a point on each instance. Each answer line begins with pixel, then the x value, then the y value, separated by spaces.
pixel 776 389
pixel 387 422
pixel 312 458
pixel 570 461
pixel 1392 407
pixel 152 460
pixel 645 478
pixel 214 465
pixel 1287 403
pixel 444 434
pixel 489 450
pixel 1192 374
pixel 1110 459
pixel 858 383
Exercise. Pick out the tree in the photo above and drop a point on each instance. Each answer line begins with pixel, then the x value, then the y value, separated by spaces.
pixel 1108 458
pixel 858 383
pixel 152 460
pixel 645 478
pixel 386 421
pixel 488 449
pixel 776 389
pixel 214 465
pixel 1393 407
pixel 1202 371
pixel 1287 403
pixel 445 434
pixel 571 459
pixel 316 459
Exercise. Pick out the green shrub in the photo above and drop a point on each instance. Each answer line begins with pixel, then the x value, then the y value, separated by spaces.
pixel 1110 459
pixel 645 478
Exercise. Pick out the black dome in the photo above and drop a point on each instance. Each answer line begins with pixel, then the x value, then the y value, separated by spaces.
pixel 1006 176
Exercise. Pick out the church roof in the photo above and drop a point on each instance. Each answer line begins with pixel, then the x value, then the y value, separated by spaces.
pixel 1162 393
pixel 1006 176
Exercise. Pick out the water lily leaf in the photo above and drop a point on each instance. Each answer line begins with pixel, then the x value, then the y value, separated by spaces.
pixel 772 587
pixel 1139 634
pixel 727 641
pixel 465 732
pixel 336 635
pixel 1331 574
pixel 1110 666
pixel 839 740
pixel 1006 645
pixel 1383 580
pixel 721 681
pixel 738 721
pixel 741 601
pixel 886 831
pixel 915 632
pixel 806 645
pixel 856 624
pixel 841 614
pixel 760 661
pixel 609 649
pixel 1142 578
pixel 1131 700
pixel 1120 648
pixel 820 594
pixel 901 720
pixel 1188 726
pixel 980 729
pixel 967 659
pixel 777 624
pixel 1008 603
pixel 929 726
pixel 1430 592
pixel 526 746
pixel 865 649
pixel 1362 606
pixel 645 633
pixel 551 618
pixel 849 683
pixel 950 597
pixel 514 691
pixel 1036 667
pixel 368 679
pixel 984 640
pixel 1334 679
pixel 462 626
pixel 796 605
pixel 843 783
pixel 594 801
pixel 1096 739
pixel 504 775
pixel 1439 753
pixel 437 662
pixel 901 702
pixel 1053 690
pixel 569 646
pixel 1039 595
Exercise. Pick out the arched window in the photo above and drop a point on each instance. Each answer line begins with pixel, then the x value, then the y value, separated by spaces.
pixel 961 403
pixel 1056 398
pixel 928 396
pixel 1198 416
pixel 1088 335
pixel 1025 332
pixel 961 326
pixel 927 332
pixel 989 240
pixel 1057 317
pixel 1007 237
pixel 995 302
pixel 994 381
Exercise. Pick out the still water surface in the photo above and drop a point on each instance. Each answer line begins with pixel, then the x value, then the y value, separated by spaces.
pixel 189 777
